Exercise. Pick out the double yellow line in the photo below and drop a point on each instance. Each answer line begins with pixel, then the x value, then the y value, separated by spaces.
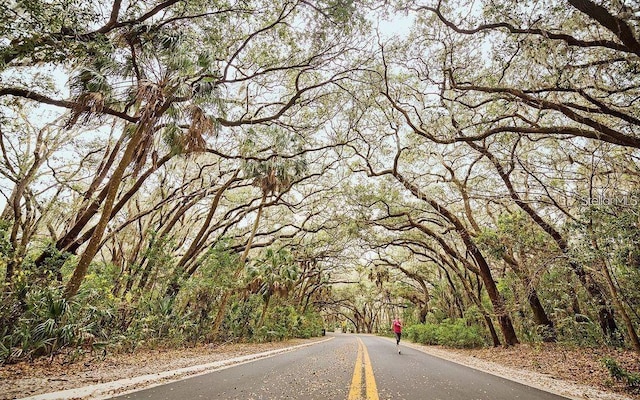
pixel 363 363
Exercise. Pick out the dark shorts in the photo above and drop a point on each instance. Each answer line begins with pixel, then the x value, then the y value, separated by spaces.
pixel 398 336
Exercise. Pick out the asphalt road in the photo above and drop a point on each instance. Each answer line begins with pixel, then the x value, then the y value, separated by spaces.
pixel 347 367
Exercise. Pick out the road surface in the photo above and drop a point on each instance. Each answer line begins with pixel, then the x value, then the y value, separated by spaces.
pixel 347 367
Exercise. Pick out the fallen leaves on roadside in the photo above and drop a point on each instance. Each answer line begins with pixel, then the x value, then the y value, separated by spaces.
pixel 580 365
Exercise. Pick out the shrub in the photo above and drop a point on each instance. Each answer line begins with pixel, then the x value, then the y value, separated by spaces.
pixel 457 333
pixel 578 330
pixel 423 333
pixel 620 374
pixel 285 322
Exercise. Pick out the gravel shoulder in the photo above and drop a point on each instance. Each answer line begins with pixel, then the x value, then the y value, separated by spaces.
pixel 573 373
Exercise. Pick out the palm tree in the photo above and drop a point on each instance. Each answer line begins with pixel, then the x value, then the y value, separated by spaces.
pixel 161 99
pixel 273 275
pixel 272 176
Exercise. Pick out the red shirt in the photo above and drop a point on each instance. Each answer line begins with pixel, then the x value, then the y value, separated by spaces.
pixel 397 326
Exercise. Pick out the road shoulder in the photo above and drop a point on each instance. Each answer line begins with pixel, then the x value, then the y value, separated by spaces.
pixel 571 390
pixel 117 374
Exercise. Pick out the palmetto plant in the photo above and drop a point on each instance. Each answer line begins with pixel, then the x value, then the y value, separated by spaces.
pixel 274 274
pixel 51 323
pixel 274 175
pixel 46 326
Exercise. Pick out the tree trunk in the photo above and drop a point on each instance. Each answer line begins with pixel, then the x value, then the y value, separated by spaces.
pixel 539 314
pixel 174 287
pixel 605 314
pixel 466 284
pixel 18 250
pixel 92 248
pixel 265 307
pixel 504 320
pixel 541 318
pixel 424 310
pixel 456 296
pixel 633 336
pixel 476 300
pixel 70 241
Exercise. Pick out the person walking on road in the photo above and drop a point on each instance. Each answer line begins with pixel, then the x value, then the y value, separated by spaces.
pixel 397 329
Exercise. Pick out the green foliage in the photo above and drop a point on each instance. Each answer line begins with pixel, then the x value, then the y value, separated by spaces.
pixel 47 324
pixel 275 174
pixel 44 30
pixel 473 316
pixel 515 232
pixel 152 321
pixel 52 265
pixel 616 230
pixel 282 322
pixel 490 240
pixel 620 374
pixel 273 274
pixel 5 245
pixel 453 333
pixel 187 317
pixel 285 322
pixel 577 330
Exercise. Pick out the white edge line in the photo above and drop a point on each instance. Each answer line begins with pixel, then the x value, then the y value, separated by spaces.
pixel 108 389
pixel 588 392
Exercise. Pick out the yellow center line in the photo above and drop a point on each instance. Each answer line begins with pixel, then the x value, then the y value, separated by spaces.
pixel 363 362
pixel 370 381
pixel 356 380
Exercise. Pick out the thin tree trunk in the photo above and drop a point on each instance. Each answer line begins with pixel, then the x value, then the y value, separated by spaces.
pixel 70 241
pixel 424 310
pixel 19 249
pixel 227 294
pixel 633 336
pixel 174 287
pixel 103 170
pixel 468 267
pixel 73 245
pixel 476 300
pixel 265 307
pixel 497 301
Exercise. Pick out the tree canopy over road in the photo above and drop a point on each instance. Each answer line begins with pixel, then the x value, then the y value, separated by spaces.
pixel 190 171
